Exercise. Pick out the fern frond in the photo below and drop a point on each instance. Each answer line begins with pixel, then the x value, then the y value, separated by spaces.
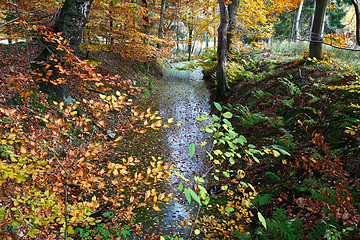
pixel 261 200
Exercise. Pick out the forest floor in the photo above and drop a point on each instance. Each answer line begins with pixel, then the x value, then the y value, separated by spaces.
pixel 292 106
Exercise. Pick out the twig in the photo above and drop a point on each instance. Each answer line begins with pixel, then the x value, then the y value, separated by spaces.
pixel 193 225
pixel 27 13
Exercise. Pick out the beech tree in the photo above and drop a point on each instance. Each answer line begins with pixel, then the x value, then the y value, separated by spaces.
pixel 315 48
pixel 233 7
pixel 297 22
pixel 70 24
pixel 161 22
pixel 222 86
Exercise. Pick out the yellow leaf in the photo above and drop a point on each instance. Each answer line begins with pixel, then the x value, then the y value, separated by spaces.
pixel 73 113
pixel 284 161
pixel 161 196
pixel 351 132
pixel 23 149
pixel 240 174
pixel 147 194
pixel 156 208
pixel 118 138
pixel 102 123
pixel 158 123
pixel 102 96
pixel 170 120
pixel 11 136
pixel 276 153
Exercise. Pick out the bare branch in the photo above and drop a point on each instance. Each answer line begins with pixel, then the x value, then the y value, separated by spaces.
pixel 27 13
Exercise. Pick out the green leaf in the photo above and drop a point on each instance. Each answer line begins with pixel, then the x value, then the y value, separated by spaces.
pixel 218 152
pixel 195 196
pixel 197 231
pixel 243 138
pixel 209 130
pixel 199 179
pixel 214 118
pixel 226 174
pixel 217 162
pixel 231 161
pixel 187 195
pixel 126 233
pixel 262 219
pixel 192 150
pixel 228 154
pixel 201 118
pixel 180 187
pixel 218 106
pixel 229 209
pixel 228 115
pixel 244 184
pixel 280 149
pixel 227 122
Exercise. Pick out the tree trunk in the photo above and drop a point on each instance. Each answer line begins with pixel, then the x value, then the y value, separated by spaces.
pixel 221 81
pixel 191 29
pixel 357 14
pixel 161 23
pixel 145 17
pixel 233 7
pixel 315 48
pixel 297 22
pixel 71 22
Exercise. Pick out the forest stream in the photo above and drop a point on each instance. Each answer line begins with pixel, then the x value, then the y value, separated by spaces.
pixel 181 95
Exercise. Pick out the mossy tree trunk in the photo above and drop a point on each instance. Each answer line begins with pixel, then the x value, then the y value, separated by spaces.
pixel 315 48
pixel 222 86
pixel 70 23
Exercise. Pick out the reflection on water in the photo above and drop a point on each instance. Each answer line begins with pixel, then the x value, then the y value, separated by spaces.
pixel 183 95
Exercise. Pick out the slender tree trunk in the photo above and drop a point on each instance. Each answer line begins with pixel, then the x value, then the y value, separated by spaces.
pixel 161 23
pixel 315 48
pixel 297 22
pixel 292 33
pixel 191 29
pixel 221 81
pixel 146 15
pixel 71 22
pixel 357 14
pixel 233 7
pixel 111 23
